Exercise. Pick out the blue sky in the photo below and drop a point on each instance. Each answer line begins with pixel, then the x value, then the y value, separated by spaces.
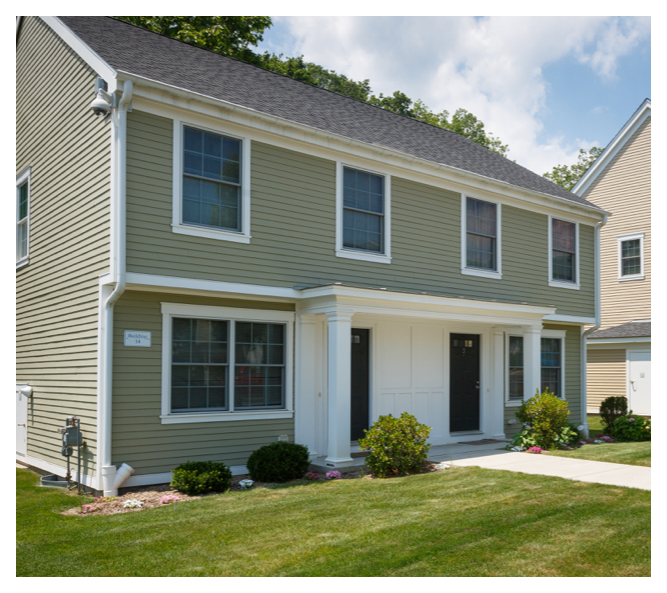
pixel 546 86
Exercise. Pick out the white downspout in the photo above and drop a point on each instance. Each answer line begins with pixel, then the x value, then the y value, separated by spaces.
pixel 110 483
pixel 598 322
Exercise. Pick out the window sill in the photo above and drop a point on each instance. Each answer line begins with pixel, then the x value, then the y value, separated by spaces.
pixel 515 403
pixel 221 235
pixel 482 273
pixel 23 262
pixel 224 416
pixel 629 278
pixel 359 255
pixel 564 284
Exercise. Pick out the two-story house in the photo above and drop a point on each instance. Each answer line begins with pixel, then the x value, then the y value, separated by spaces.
pixel 232 257
pixel 619 353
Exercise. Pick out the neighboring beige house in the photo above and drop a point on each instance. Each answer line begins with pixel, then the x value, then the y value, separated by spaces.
pixel 231 257
pixel 619 353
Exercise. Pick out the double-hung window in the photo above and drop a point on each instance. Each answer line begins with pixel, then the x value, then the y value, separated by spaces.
pixel 551 357
pixel 220 365
pixel 563 262
pixel 551 365
pixel 211 196
pixel 481 238
pixel 22 217
pixel 631 257
pixel 363 215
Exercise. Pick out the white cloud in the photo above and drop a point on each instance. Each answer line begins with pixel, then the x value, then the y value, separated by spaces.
pixel 491 66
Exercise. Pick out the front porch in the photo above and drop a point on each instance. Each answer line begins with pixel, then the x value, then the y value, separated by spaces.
pixel 416 362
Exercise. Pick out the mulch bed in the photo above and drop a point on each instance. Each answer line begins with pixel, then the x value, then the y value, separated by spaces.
pixel 151 496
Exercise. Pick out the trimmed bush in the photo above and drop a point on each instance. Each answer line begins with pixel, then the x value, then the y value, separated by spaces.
pixel 632 428
pixel 278 462
pixel 199 477
pixel 611 409
pixel 545 419
pixel 397 445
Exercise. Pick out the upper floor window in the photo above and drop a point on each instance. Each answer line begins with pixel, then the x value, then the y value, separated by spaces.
pixel 22 217
pixel 211 180
pixel 631 257
pixel 211 197
pixel 481 238
pixel 363 215
pixel 563 262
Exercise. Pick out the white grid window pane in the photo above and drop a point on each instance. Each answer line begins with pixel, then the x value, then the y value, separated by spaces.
pixel 563 256
pixel 363 211
pixel 516 368
pixel 551 358
pixel 631 261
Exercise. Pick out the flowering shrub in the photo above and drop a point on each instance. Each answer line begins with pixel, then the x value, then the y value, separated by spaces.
pixel 199 477
pixel 169 498
pixel 605 438
pixel 545 420
pixel 246 484
pixel 313 476
pixel 89 508
pixel 397 445
pixel 333 475
pixel 632 428
pixel 133 503
pixel 535 450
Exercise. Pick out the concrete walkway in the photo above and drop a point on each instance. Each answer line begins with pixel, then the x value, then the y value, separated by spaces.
pixel 494 456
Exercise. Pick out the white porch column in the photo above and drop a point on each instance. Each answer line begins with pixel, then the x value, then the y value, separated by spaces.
pixel 339 368
pixel 305 417
pixel 498 408
pixel 531 360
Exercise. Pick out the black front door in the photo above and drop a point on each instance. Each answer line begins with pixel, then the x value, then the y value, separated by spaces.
pixel 359 415
pixel 463 382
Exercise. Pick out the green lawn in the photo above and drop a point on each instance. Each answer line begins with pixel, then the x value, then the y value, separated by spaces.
pixel 461 522
pixel 628 453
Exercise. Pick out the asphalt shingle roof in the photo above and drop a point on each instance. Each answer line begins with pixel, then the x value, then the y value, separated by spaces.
pixel 634 329
pixel 143 53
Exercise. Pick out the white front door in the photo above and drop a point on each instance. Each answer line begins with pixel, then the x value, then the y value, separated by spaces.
pixel 21 423
pixel 640 382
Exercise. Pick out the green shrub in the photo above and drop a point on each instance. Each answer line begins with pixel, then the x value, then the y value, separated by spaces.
pixel 278 462
pixel 611 409
pixel 632 428
pixel 199 477
pixel 397 445
pixel 545 418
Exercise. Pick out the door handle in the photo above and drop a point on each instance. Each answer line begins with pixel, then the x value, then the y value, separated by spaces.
pixel 20 425
pixel 477 385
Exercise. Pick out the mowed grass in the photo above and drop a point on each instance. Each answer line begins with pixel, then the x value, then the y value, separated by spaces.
pixel 460 522
pixel 627 453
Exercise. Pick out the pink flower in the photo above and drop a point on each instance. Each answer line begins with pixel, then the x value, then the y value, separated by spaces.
pixel 535 450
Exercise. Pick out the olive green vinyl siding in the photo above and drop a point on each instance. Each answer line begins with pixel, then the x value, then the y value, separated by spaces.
pixel 293 232
pixel 68 150
pixel 138 436
pixel 572 379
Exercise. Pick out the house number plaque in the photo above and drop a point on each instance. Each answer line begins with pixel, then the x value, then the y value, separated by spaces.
pixel 141 339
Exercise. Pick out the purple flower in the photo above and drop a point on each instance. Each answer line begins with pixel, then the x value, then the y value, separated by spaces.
pixel 333 475
pixel 631 419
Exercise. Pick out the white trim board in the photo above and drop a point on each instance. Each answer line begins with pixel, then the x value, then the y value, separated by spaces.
pixel 165 477
pixel 167 101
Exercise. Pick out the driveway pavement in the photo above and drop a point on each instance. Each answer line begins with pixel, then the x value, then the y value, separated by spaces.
pixel 492 457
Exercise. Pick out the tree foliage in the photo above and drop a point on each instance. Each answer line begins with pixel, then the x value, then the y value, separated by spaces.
pixel 234 35
pixel 227 35
pixel 567 176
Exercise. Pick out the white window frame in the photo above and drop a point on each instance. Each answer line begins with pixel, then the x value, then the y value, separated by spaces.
pixel 21 179
pixel 177 225
pixel 170 310
pixel 620 241
pixel 498 272
pixel 558 334
pixel 576 285
pixel 383 258
pixel 510 403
